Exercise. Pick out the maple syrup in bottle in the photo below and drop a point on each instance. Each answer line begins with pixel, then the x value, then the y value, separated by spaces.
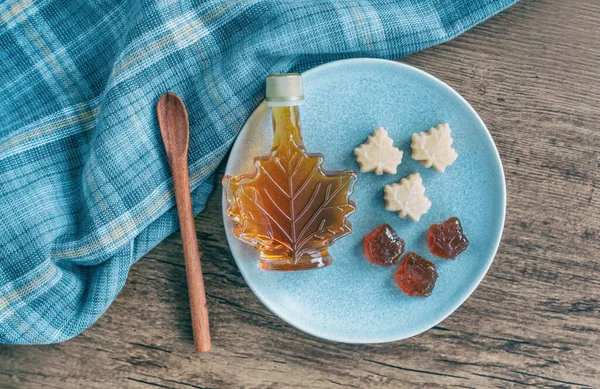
pixel 289 208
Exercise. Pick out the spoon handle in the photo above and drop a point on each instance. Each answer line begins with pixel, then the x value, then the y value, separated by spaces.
pixel 191 255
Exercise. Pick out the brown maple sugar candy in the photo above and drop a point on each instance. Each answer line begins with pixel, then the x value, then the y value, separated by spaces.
pixel 383 246
pixel 290 208
pixel 447 240
pixel 416 276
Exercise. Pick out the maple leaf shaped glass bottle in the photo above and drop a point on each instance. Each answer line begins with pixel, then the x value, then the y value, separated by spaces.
pixel 290 208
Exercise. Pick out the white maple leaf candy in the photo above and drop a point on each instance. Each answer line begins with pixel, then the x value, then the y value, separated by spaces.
pixel 434 147
pixel 407 197
pixel 378 154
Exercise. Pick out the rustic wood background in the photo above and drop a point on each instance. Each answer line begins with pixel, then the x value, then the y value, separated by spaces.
pixel 532 74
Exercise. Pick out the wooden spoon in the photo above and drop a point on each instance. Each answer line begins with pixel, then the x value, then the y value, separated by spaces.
pixel 175 131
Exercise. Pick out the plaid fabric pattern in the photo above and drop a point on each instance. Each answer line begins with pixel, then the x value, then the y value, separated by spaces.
pixel 84 183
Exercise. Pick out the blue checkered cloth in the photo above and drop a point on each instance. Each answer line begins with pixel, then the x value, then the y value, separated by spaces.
pixel 85 188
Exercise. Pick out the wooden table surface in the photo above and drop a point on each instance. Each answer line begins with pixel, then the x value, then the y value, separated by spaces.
pixel 532 74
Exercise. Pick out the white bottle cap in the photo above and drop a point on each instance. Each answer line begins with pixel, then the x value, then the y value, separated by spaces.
pixel 285 89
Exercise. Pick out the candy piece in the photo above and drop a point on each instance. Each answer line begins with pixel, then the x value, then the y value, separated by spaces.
pixel 407 197
pixel 434 148
pixel 447 240
pixel 383 246
pixel 378 154
pixel 416 276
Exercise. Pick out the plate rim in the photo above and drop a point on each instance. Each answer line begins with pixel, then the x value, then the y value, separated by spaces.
pixel 464 295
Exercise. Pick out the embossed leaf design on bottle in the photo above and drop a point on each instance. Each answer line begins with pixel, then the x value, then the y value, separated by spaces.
pixel 290 208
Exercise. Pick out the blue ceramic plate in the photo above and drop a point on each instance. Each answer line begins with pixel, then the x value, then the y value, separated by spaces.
pixel 352 300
